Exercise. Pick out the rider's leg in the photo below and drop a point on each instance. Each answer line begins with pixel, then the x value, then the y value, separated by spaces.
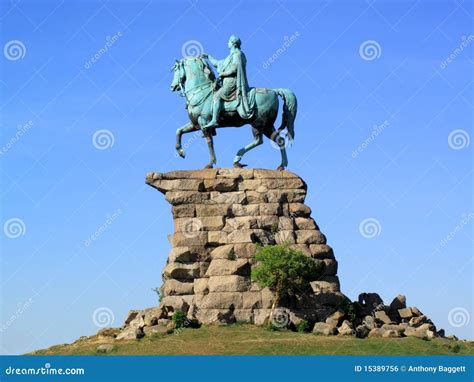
pixel 216 109
pixel 257 140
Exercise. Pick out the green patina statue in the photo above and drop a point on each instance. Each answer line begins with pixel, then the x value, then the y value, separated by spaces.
pixel 229 101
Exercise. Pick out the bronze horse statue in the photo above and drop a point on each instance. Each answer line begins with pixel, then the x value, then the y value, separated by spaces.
pixel 196 82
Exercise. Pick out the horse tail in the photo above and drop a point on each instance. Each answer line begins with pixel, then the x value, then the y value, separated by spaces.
pixel 290 106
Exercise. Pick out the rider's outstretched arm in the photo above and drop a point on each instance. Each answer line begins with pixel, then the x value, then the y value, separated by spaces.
pixel 213 61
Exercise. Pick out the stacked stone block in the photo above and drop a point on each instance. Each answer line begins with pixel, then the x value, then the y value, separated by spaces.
pixel 220 215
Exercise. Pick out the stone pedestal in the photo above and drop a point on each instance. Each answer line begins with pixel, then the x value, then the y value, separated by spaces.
pixel 219 217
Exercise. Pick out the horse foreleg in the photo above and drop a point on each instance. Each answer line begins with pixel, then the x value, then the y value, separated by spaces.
pixel 210 145
pixel 187 128
pixel 257 140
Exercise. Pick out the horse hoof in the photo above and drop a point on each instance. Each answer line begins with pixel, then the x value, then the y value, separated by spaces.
pixel 208 166
pixel 239 165
pixel 181 153
pixel 280 168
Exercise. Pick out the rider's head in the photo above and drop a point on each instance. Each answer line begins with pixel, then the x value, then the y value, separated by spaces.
pixel 234 41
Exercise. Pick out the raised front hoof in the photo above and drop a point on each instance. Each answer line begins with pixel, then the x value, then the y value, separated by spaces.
pixel 280 168
pixel 239 165
pixel 181 153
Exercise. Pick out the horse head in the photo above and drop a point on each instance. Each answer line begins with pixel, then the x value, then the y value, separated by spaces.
pixel 190 72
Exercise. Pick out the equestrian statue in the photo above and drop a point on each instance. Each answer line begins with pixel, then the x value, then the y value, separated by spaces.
pixel 228 101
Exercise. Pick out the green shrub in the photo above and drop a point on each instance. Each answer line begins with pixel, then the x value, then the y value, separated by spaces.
pixel 180 320
pixel 284 270
pixel 302 326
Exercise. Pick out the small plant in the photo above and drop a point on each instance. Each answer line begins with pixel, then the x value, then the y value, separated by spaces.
pixel 302 326
pixel 158 292
pixel 456 348
pixel 232 255
pixel 274 228
pixel 180 320
pixel 284 270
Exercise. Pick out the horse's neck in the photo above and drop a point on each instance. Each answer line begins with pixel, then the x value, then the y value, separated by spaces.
pixel 195 78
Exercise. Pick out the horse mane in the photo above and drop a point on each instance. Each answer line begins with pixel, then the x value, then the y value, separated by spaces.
pixel 205 68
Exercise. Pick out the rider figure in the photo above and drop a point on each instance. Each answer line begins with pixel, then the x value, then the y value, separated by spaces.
pixel 232 71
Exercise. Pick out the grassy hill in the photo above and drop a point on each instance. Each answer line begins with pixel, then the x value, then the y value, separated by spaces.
pixel 253 340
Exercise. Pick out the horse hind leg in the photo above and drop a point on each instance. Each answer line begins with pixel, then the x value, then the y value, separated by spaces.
pixel 280 143
pixel 257 140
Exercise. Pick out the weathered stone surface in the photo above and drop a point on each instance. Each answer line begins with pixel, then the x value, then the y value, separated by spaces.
pixel 222 267
pixel 155 329
pixel 335 318
pixel 310 237
pixel 399 302
pixel 174 287
pixel 324 329
pixel 182 271
pixel 201 286
pixel 203 210
pixel 405 313
pixel 223 252
pixel 383 317
pixel 230 283
pixel 346 329
pixel 219 218
pixel 105 348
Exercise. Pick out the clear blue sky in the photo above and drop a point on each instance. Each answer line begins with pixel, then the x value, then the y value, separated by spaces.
pixel 414 178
